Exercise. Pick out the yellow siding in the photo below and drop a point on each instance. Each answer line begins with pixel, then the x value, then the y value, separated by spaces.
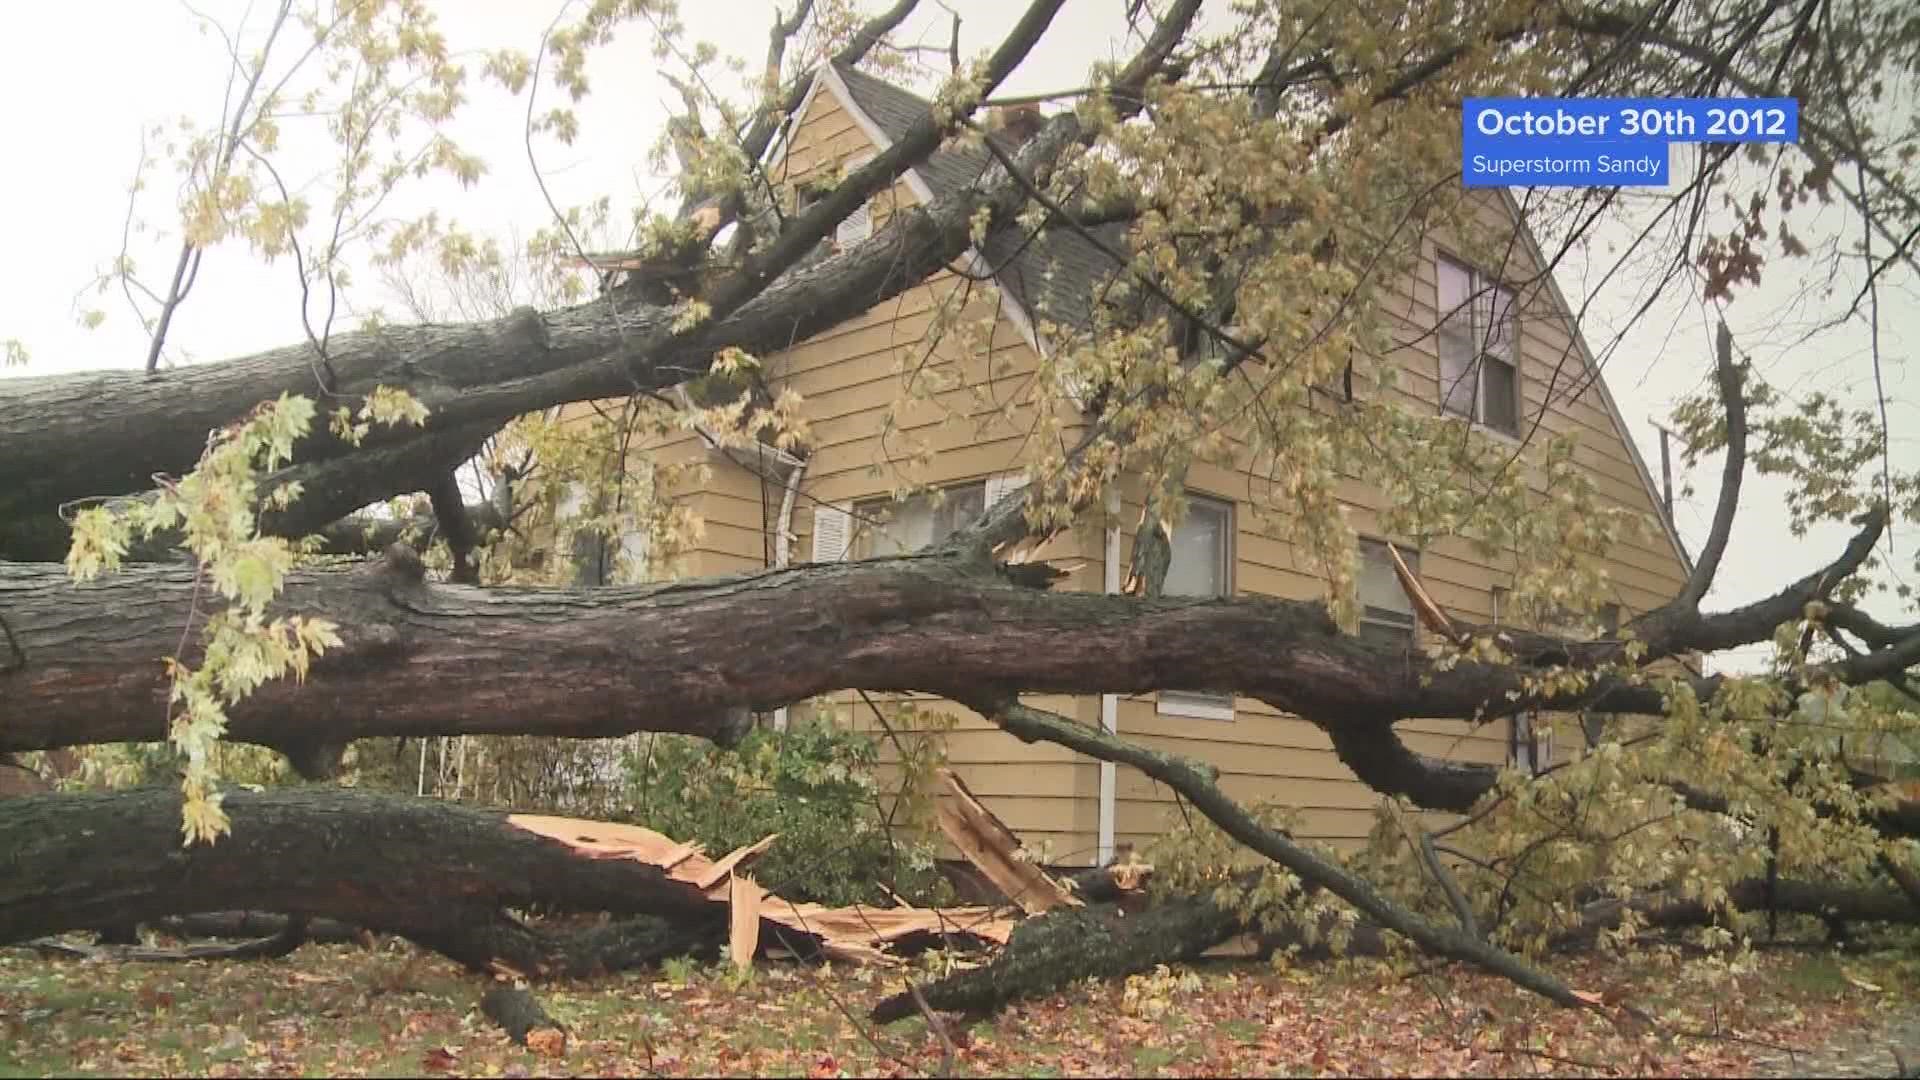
pixel 851 378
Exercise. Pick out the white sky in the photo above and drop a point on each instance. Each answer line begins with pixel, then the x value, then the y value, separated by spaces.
pixel 85 76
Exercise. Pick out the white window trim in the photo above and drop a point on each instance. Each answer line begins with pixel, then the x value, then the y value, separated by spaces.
pixel 1192 703
pixel 1476 279
pixel 1196 705
pixel 1412 557
pixel 1000 485
pixel 870 511
pixel 857 225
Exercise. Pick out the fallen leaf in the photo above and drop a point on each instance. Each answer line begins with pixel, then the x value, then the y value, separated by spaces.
pixel 439 1059
pixel 548 1042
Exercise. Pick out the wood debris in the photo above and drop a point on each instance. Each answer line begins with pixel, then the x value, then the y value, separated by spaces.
pixel 743 932
pixel 856 934
pixel 1429 612
pixel 990 846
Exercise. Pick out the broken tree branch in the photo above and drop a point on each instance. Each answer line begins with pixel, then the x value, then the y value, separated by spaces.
pixel 1196 783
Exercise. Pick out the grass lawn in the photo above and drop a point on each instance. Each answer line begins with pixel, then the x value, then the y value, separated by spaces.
pixel 344 1010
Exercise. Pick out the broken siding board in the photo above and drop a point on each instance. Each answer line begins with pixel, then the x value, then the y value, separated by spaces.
pixel 994 850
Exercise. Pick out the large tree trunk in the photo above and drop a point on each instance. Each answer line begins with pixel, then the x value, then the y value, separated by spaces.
pixel 424 659
pixel 439 874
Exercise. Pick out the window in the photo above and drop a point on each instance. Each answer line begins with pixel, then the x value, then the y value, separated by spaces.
pixel 913 524
pixel 1530 745
pixel 858 225
pixel 1206 347
pixel 1479 373
pixel 1386 611
pixel 1200 551
pixel 1202 565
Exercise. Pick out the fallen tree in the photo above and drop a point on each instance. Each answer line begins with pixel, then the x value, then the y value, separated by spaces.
pixel 446 877
pixel 441 875
pixel 964 620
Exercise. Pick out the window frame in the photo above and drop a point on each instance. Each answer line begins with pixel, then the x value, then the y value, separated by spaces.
pixel 861 545
pixel 1530 741
pixel 1199 704
pixel 1412 556
pixel 1478 281
pixel 857 226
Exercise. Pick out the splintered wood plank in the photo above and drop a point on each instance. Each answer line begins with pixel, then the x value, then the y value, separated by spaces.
pixel 865 931
pixel 989 845
pixel 711 877
pixel 743 933
pixel 856 934
pixel 609 840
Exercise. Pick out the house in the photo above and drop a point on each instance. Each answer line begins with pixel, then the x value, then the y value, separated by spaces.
pixel 762 507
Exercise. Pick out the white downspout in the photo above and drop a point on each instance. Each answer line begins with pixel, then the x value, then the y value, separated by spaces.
pixel 1109 703
pixel 783 548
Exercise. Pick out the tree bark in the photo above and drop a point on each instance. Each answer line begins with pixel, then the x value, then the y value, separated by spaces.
pixel 254 924
pixel 1849 903
pixel 438 874
pixel 1067 945
pixel 423 659
pixel 517 1013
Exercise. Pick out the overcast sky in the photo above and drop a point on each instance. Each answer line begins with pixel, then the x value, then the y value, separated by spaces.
pixel 83 77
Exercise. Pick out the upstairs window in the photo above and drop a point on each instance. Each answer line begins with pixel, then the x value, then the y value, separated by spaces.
pixel 1202 565
pixel 858 225
pixel 1479 366
pixel 1386 611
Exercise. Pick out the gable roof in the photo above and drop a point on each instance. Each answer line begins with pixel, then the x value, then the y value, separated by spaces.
pixel 1056 275
pixel 1052 276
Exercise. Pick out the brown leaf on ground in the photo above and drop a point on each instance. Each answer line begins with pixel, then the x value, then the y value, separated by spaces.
pixel 548 1042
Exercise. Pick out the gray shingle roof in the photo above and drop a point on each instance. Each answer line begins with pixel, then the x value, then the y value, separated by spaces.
pixel 1056 276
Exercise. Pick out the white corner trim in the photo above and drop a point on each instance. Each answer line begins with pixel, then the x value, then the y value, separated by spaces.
pixel 782 142
pixel 1109 705
pixel 976 260
pixel 1182 705
pixel 1539 257
pixel 875 135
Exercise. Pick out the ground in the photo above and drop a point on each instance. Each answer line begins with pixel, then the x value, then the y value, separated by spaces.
pixel 348 1011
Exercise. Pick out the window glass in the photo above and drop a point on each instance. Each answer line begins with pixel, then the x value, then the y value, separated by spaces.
pixel 1199 564
pixel 1501 407
pixel 1476 341
pixel 913 524
pixel 1202 550
pixel 1530 745
pixel 1386 611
